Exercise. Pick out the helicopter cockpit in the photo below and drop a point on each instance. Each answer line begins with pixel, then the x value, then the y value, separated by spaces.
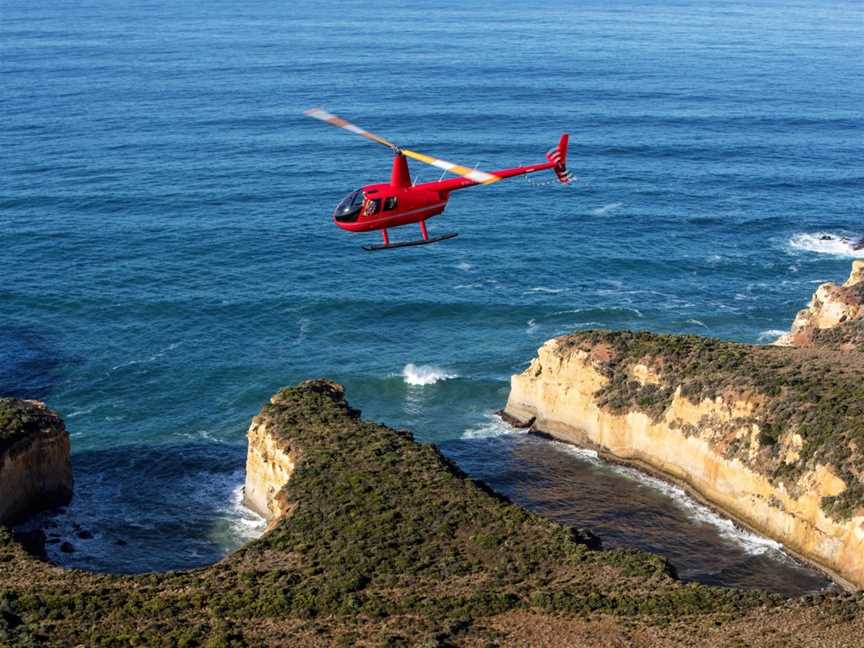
pixel 348 209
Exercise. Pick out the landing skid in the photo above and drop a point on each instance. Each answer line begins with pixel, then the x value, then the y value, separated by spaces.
pixel 427 241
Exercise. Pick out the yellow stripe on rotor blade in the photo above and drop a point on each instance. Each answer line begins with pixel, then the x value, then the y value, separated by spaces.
pixel 480 177
pixel 330 118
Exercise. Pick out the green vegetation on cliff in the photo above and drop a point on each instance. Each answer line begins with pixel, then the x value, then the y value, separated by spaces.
pixel 816 393
pixel 20 419
pixel 388 543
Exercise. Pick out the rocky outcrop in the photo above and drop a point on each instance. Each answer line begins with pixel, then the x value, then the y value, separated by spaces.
pixel 772 436
pixel 270 462
pixel 35 469
pixel 831 306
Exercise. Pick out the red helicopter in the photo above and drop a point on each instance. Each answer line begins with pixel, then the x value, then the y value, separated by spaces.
pixel 400 202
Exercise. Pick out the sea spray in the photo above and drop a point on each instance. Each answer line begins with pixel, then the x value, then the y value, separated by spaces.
pixel 420 375
pixel 827 243
pixel 493 426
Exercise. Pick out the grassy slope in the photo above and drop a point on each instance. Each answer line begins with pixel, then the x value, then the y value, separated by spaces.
pixel 389 544
pixel 818 393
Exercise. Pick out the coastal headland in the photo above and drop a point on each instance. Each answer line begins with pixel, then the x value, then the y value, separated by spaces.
pixel 773 436
pixel 375 539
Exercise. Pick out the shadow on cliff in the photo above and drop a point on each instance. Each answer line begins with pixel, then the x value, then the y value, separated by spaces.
pixel 30 366
pixel 140 508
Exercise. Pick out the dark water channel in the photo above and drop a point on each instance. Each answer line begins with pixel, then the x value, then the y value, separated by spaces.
pixel 627 508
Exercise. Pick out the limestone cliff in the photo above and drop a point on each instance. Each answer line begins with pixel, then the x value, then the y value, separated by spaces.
pixel 831 306
pixel 35 470
pixel 270 461
pixel 773 436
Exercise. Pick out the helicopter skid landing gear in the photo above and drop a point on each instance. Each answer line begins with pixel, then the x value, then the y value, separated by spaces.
pixel 426 240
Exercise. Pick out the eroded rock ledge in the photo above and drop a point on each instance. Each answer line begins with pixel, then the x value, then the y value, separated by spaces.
pixel 773 436
pixel 35 470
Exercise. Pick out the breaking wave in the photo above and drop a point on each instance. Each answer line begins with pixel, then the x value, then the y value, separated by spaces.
pixel 424 374
pixel 752 543
pixel 493 426
pixel 771 335
pixel 828 243
pixel 245 523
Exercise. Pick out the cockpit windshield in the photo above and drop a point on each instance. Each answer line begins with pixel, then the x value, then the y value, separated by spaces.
pixel 349 208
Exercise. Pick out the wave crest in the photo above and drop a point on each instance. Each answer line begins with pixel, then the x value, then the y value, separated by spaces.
pixel 828 243
pixel 424 374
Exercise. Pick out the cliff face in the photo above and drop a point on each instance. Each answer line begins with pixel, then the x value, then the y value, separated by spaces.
pixel 35 470
pixel 773 436
pixel 830 307
pixel 270 462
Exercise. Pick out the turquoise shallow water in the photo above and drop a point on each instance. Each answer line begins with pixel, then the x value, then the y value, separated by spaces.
pixel 168 261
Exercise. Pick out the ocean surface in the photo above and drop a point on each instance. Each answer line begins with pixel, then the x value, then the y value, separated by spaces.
pixel 167 258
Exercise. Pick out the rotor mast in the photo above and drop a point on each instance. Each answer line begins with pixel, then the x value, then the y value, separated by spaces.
pixel 400 177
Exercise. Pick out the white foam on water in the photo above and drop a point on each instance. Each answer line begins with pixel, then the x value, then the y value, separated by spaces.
pixel 606 209
pixel 79 413
pixel 487 282
pixel 697 323
pixel 835 244
pixel 544 289
pixel 152 358
pixel 419 375
pixel 198 435
pixel 585 454
pixel 464 266
pixel 752 543
pixel 563 329
pixel 532 326
pixel 771 335
pixel 569 312
pixel 493 426
pixel 246 524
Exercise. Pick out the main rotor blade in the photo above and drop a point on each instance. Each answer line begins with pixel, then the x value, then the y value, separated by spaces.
pixel 480 177
pixel 474 175
pixel 330 118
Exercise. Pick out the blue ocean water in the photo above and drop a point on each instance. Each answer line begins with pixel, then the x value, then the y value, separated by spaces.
pixel 168 260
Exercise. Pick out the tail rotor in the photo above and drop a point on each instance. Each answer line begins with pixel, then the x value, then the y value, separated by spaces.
pixel 558 157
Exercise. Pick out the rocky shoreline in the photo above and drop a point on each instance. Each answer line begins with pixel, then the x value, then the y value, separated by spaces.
pixel 771 437
pixel 382 541
pixel 374 539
